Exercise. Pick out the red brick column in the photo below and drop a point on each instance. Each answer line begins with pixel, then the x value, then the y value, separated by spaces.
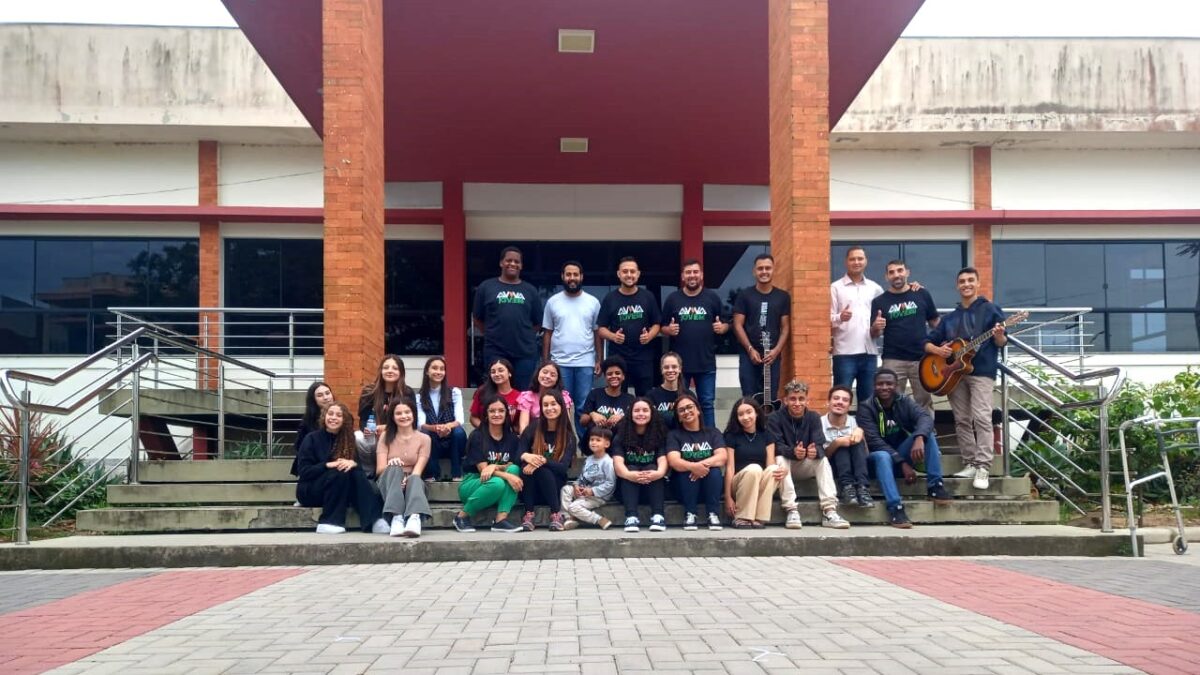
pixel 454 282
pixel 352 70
pixel 208 332
pixel 981 235
pixel 798 62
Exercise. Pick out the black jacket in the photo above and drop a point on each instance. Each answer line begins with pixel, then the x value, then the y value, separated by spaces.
pixel 886 428
pixel 785 432
pixel 315 450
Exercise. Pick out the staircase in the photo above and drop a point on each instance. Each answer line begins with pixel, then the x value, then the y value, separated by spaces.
pixel 249 495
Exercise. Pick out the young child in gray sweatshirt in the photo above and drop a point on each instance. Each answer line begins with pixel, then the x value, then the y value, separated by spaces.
pixel 595 485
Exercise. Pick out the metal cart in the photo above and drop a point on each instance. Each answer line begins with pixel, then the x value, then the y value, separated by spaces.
pixel 1173 433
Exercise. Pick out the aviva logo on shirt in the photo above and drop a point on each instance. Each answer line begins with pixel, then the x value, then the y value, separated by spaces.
pixel 630 313
pixel 900 310
pixel 695 451
pixel 510 298
pixel 693 314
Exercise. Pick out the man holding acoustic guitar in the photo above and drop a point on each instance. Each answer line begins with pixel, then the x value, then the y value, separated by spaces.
pixel 963 359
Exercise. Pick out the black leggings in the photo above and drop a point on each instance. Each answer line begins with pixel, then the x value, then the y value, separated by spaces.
pixel 335 490
pixel 652 493
pixel 544 486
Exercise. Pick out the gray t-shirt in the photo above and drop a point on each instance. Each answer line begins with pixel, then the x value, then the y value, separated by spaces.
pixel 572 322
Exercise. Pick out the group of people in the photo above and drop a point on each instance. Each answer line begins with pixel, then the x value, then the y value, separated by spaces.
pixel 660 437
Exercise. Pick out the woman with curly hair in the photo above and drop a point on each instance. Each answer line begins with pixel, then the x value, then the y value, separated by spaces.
pixel 330 477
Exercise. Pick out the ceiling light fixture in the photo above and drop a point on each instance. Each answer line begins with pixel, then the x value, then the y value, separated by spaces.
pixel 576 41
pixel 572 145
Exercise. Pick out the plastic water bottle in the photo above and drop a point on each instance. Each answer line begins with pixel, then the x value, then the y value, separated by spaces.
pixel 371 424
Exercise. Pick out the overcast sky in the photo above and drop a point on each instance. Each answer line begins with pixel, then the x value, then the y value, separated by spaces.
pixel 1128 18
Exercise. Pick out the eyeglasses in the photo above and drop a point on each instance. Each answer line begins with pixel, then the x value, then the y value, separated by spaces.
pixel 686 408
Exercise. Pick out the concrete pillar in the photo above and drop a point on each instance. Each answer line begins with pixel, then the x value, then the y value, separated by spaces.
pixel 798 63
pixel 981 234
pixel 352 72
pixel 454 282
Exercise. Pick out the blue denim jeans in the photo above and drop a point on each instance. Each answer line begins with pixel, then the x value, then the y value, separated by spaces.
pixel 705 386
pixel 750 376
pixel 710 489
pixel 579 381
pixel 857 370
pixel 451 447
pixel 885 471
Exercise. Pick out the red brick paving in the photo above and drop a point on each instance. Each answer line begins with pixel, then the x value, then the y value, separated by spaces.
pixel 39 638
pixel 1140 634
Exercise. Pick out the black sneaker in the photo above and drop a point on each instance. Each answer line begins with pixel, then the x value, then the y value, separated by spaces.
pixel 939 496
pixel 898 518
pixel 864 497
pixel 463 524
pixel 506 527
pixel 849 496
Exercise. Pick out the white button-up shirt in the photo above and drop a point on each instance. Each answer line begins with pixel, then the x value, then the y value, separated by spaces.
pixel 853 336
pixel 833 433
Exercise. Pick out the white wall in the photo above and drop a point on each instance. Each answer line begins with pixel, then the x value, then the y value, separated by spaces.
pixel 1096 179
pixel 925 180
pixel 271 175
pixel 99 173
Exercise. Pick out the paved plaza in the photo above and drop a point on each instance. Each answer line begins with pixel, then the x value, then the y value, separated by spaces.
pixel 661 615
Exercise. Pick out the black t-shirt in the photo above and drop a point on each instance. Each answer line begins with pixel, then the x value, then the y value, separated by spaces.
pixel 481 447
pixel 525 444
pixel 748 449
pixel 695 446
pixel 509 313
pixel 598 402
pixel 696 342
pixel 907 315
pixel 754 306
pixel 637 456
pixel 630 313
pixel 664 402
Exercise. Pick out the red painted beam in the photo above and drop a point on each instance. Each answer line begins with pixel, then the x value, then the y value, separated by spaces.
pixel 226 214
pixel 454 283
pixel 974 217
pixel 691 223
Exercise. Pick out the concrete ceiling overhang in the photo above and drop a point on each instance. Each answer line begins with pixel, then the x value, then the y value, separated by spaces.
pixel 475 90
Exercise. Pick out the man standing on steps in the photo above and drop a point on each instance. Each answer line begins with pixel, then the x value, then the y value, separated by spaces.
pixel 629 319
pixel 800 450
pixel 758 309
pixel 903 316
pixel 971 400
pixel 899 433
pixel 693 322
pixel 854 353
pixel 509 312
pixel 570 339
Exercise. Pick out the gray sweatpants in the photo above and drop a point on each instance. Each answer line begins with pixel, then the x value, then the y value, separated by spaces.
pixel 404 501
pixel 971 402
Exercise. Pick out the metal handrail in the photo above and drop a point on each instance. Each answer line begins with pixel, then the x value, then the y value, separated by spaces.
pixel 79 367
pixel 1101 402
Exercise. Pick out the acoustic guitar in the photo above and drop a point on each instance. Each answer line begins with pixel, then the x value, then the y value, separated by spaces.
pixel 941 375
pixel 767 398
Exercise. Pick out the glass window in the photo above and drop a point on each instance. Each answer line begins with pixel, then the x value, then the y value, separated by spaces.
pixel 1075 275
pixel 171 269
pixel 66 333
pixel 19 333
pixel 118 274
pixel 301 273
pixel 1019 271
pixel 414 298
pixel 728 268
pixel 935 264
pixel 252 271
pixel 1134 275
pixel 1182 272
pixel 64 271
pixel 1137 332
pixel 1183 332
pixel 16 274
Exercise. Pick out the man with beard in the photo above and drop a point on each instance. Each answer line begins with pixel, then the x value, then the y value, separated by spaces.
pixel 570 340
pixel 693 322
pixel 629 319
pixel 758 309
pixel 507 311
pixel 903 316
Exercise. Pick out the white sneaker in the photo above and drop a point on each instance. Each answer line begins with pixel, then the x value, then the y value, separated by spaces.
pixel 689 522
pixel 397 526
pixel 793 520
pixel 413 527
pixel 835 520
pixel 658 523
pixel 381 527
pixel 966 472
pixel 714 521
pixel 981 479
pixel 632 524
pixel 326 528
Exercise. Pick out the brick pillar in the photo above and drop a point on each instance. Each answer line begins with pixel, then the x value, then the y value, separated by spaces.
pixel 454 282
pixel 352 71
pixel 981 235
pixel 691 223
pixel 798 64
pixel 208 331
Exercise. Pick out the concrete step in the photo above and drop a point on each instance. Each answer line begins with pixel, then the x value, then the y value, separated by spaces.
pixel 248 518
pixel 446 492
